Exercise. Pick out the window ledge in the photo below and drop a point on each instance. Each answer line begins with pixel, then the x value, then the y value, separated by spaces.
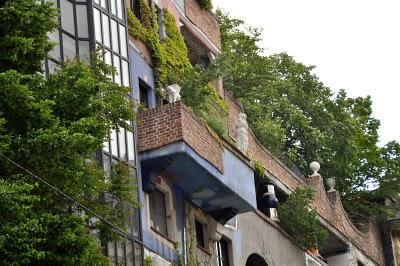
pixel 204 250
pixel 162 235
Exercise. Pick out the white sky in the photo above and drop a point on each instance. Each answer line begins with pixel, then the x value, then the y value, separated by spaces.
pixel 355 45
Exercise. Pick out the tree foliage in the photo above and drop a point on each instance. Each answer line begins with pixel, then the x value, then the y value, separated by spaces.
pixel 54 127
pixel 296 116
pixel 301 221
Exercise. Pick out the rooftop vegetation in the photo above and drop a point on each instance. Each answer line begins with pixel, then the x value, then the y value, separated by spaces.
pixel 172 65
pixel 295 115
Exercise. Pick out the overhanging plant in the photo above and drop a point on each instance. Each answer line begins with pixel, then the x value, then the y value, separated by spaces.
pixel 300 221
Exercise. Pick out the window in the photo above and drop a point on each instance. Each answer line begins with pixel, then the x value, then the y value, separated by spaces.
pixel 200 234
pixel 143 97
pixel 158 217
pixel 223 252
pixel 136 9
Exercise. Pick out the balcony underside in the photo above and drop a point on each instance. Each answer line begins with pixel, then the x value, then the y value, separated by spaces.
pixel 203 182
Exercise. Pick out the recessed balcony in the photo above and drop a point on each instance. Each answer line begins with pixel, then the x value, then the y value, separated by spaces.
pixel 173 141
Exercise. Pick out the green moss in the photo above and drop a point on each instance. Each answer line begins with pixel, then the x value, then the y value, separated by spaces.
pixel 259 170
pixel 171 65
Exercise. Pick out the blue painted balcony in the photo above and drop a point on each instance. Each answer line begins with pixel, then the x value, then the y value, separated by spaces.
pixel 217 178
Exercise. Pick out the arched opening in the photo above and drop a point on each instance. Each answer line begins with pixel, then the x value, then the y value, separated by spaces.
pixel 255 260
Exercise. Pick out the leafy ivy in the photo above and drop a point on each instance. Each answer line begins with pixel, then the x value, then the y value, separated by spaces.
pixel 171 65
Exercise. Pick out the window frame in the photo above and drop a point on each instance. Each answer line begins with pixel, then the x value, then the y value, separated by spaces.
pixel 165 216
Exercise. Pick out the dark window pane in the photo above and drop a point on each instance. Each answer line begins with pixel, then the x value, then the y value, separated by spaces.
pixel 69 47
pixel 82 22
pixel 67 15
pixel 157 212
pixel 223 253
pixel 199 233
pixel 143 95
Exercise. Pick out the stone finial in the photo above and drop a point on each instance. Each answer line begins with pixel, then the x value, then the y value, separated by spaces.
pixel 331 182
pixel 242 133
pixel 314 166
pixel 173 93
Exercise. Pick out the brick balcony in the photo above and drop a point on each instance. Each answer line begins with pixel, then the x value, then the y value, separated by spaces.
pixel 172 139
pixel 170 123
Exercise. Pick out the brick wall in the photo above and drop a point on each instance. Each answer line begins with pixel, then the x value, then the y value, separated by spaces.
pixel 174 122
pixel 204 20
pixel 328 206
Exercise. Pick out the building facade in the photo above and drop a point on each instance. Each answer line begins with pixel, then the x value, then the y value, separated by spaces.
pixel 200 200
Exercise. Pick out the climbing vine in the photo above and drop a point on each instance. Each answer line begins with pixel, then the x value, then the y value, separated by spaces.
pixel 171 65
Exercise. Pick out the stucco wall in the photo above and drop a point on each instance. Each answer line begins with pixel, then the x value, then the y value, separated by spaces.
pixel 255 234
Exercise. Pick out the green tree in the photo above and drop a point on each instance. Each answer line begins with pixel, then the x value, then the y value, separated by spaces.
pixel 297 117
pixel 301 221
pixel 54 127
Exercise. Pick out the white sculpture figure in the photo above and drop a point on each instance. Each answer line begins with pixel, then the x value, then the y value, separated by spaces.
pixel 242 133
pixel 173 93
pixel 314 166
pixel 331 182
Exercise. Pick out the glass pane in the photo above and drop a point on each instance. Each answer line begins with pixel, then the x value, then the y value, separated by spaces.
pixel 55 37
pixel 104 3
pixel 114 144
pixel 121 253
pixel 84 51
pixel 117 66
pixel 69 47
pixel 114 35
pixel 125 73
pixel 52 66
pixel 113 7
pixel 67 16
pixel 106 146
pixel 97 24
pixel 138 254
pixel 120 11
pixel 122 36
pixel 111 251
pixel 131 147
pixel 107 165
pixel 122 144
pixel 129 253
pixel 106 30
pixel 97 1
pixel 107 57
pixel 82 22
